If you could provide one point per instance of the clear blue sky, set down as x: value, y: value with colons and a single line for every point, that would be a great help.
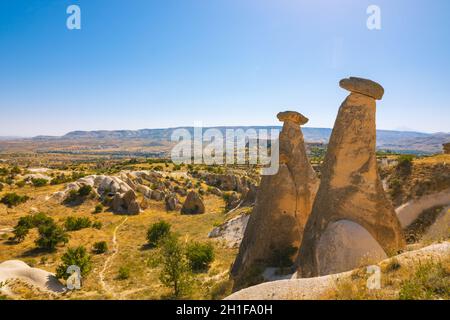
x: 150, y: 64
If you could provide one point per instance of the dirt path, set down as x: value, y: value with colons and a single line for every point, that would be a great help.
x: 105, y: 286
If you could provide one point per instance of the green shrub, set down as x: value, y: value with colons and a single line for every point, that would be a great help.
x: 1, y: 187
x: 100, y: 247
x: 99, y: 208
x: 20, y: 184
x: 200, y: 255
x: 16, y: 170
x: 124, y: 273
x: 13, y: 199
x: 50, y: 235
x: 39, y: 219
x: 97, y: 225
x: 74, y: 224
x: 404, y: 165
x: 157, y: 232
x: 84, y: 191
x: 39, y: 182
x: 74, y: 257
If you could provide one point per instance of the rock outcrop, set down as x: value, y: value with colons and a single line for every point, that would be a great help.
x: 172, y: 202
x: 125, y: 203
x: 193, y: 204
x: 350, y: 189
x: 283, y: 204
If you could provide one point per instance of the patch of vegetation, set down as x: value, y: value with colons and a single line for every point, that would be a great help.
x: 84, y: 191
x: 13, y: 199
x: 124, y: 273
x: 431, y: 280
x: 221, y: 289
x: 99, y: 208
x: 175, y: 268
x: 100, y: 247
x: 404, y: 165
x: 50, y: 235
x: 28, y: 222
x: 77, y: 223
x: 39, y: 182
x: 97, y: 225
x: 74, y: 257
x: 157, y: 232
x: 20, y: 184
x: 80, y: 194
x: 200, y: 255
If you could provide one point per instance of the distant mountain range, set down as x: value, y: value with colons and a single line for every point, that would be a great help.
x: 400, y: 141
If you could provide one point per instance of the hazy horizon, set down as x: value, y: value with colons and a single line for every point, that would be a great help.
x: 205, y: 126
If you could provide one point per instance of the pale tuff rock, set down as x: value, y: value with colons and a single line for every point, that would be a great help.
x: 283, y: 203
x: 231, y: 231
x: 126, y: 203
x: 346, y: 245
x: 193, y: 204
x: 350, y: 187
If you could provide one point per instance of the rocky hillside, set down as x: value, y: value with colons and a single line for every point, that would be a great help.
x: 406, y: 141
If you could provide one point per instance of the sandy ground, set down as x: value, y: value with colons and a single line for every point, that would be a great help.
x: 314, y: 288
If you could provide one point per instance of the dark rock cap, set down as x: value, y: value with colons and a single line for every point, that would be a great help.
x: 293, y: 116
x: 364, y: 86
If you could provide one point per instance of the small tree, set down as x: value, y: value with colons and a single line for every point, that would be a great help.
x: 100, y: 247
x: 74, y: 224
x: 13, y: 199
x: 28, y: 222
x: 50, y: 235
x: 200, y: 255
x: 84, y: 191
x: 74, y: 257
x: 175, y: 272
x: 39, y: 182
x: 157, y: 232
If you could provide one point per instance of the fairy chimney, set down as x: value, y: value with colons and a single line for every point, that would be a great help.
x: 352, y: 221
x: 283, y: 204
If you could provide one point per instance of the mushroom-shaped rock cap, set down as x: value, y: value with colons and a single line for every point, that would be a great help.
x: 363, y: 86
x: 293, y: 116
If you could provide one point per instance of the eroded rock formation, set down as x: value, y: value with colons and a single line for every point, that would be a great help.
x: 193, y: 204
x: 283, y: 203
x: 350, y: 189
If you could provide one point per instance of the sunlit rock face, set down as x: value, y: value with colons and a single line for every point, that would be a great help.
x: 350, y: 188
x: 346, y: 245
x: 283, y: 203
